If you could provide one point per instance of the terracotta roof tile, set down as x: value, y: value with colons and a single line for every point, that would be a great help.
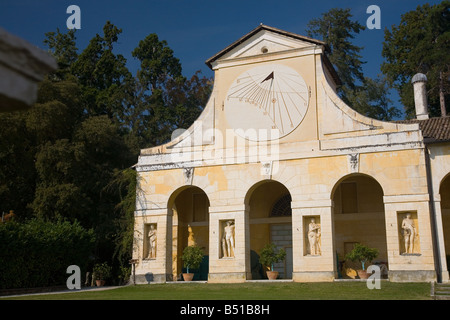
x: 434, y: 129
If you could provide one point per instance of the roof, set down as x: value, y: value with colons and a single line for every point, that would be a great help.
x: 282, y: 32
x: 419, y: 77
x: 255, y: 31
x: 434, y: 130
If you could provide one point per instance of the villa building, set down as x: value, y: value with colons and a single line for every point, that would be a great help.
x: 277, y: 157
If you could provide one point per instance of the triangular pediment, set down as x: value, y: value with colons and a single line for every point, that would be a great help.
x: 263, y: 40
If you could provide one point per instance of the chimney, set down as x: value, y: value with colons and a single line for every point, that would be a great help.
x: 419, y: 82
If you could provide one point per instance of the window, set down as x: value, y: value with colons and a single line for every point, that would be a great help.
x: 282, y: 207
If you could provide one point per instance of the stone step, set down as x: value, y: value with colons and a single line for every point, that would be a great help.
x: 440, y: 291
x: 442, y: 288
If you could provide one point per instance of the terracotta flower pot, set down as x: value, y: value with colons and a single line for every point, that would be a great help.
x: 188, y: 276
x: 272, y: 275
x: 100, y: 283
x: 363, y: 274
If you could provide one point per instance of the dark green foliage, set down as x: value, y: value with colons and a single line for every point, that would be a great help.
x: 157, y: 62
x: 17, y: 172
x: 362, y: 254
x: 269, y: 255
x: 192, y: 257
x: 372, y: 101
x: 365, y: 95
x: 64, y: 49
x: 336, y: 28
x: 69, y: 157
x: 420, y: 43
x: 38, y: 252
x: 126, y: 186
x: 102, y: 271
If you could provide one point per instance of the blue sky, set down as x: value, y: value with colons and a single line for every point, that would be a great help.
x: 195, y: 29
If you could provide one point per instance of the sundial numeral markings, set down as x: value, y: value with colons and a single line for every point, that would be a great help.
x: 287, y: 110
x: 292, y: 101
x: 293, y: 90
x: 279, y: 95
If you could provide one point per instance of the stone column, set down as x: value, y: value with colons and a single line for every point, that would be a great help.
x: 234, y: 268
x: 440, y: 238
x: 321, y: 265
x: 417, y: 266
x: 159, y: 268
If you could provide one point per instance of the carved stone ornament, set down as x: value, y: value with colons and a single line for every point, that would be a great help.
x: 266, y: 169
x: 353, y: 162
x: 188, y: 175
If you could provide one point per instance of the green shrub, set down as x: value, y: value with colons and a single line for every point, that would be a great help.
x: 269, y: 255
x: 192, y: 257
x: 37, y: 253
x: 102, y: 271
x: 362, y: 253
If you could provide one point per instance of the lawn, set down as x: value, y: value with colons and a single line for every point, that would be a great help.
x: 250, y: 291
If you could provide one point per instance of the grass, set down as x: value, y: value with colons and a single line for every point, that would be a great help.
x: 250, y: 291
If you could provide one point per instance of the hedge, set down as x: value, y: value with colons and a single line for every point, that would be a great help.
x: 37, y: 253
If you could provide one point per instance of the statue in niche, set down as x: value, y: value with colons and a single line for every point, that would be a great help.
x: 409, y: 233
x: 152, y: 242
x: 228, y: 240
x: 314, y: 238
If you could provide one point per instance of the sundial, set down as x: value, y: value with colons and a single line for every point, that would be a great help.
x: 266, y: 97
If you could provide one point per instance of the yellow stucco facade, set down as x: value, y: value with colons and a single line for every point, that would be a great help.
x: 275, y: 150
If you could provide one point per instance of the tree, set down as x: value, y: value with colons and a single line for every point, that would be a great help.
x: 70, y: 156
x: 336, y: 28
x: 58, y: 191
x: 164, y: 100
x: 367, y: 96
x: 124, y: 184
x: 106, y: 82
x: 186, y: 98
x: 420, y: 43
x: 372, y: 100
x: 158, y: 62
x: 63, y: 47
x: 17, y: 172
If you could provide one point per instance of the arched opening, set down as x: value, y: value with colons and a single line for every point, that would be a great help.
x: 270, y: 221
x: 444, y: 192
x: 190, y: 226
x: 359, y: 217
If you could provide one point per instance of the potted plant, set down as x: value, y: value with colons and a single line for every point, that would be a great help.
x: 102, y: 271
x: 269, y: 256
x: 192, y: 258
x: 363, y: 254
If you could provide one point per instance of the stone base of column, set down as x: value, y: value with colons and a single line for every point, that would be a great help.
x: 151, y: 278
x: 227, y: 277
x: 313, y: 276
x: 412, y: 275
